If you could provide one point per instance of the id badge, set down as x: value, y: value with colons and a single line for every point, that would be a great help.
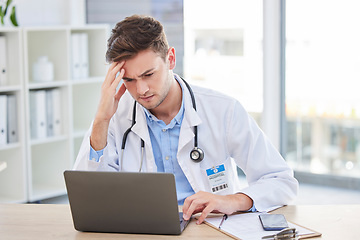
x: 217, y: 178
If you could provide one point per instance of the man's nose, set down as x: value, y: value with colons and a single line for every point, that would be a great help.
x: 141, y: 87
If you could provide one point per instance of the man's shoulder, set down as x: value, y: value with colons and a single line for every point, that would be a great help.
x: 208, y: 93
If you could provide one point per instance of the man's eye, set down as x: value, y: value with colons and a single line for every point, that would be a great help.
x: 149, y: 74
x: 127, y: 80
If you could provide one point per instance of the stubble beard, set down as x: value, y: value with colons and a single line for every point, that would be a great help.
x: 161, y: 99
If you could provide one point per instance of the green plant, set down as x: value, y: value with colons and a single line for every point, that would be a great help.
x: 4, y: 9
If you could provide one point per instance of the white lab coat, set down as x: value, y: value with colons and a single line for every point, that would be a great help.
x: 227, y: 135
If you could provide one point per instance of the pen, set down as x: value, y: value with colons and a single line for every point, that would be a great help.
x: 223, y: 219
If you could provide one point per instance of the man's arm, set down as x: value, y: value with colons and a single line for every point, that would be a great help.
x: 107, y: 106
x: 207, y: 202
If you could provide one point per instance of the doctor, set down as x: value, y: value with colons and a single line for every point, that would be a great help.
x: 201, y: 139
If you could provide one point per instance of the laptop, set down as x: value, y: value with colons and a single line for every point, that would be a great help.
x: 124, y: 202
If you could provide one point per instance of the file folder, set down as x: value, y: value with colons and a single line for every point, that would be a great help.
x: 12, y: 134
x: 38, y: 114
x: 75, y: 56
x: 3, y: 63
x: 49, y: 113
x: 3, y: 120
x: 57, y: 122
x: 84, y: 55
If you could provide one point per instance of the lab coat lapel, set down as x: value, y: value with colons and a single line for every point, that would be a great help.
x: 141, y: 130
x: 191, y: 119
x: 186, y: 142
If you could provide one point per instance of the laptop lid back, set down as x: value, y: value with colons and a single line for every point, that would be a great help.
x: 123, y: 202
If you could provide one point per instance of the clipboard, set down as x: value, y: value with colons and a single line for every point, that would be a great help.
x: 248, y: 226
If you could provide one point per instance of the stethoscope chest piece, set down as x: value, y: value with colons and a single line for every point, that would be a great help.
x: 197, y: 154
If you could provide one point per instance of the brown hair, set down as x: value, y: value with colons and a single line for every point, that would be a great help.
x: 134, y: 34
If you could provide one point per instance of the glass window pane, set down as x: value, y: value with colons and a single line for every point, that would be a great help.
x: 223, y: 48
x: 322, y: 84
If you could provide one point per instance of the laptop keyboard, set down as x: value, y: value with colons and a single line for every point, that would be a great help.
x: 181, y: 217
x: 183, y: 223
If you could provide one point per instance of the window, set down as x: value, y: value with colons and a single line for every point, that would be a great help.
x: 322, y: 86
x: 223, y: 48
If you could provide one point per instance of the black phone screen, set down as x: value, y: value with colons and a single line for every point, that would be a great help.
x: 273, y: 222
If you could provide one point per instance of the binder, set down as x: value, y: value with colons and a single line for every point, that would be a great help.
x: 3, y: 64
x: 84, y: 55
x: 12, y: 134
x: 49, y: 113
x: 3, y: 120
x: 75, y: 55
x: 56, y: 93
x: 38, y: 114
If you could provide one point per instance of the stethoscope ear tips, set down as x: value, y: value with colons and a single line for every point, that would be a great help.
x: 197, y: 154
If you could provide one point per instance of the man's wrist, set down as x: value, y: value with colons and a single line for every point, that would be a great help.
x: 98, y: 137
x: 245, y: 203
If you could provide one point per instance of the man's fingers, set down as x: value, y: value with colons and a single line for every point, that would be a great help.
x: 189, y: 209
x: 112, y: 65
x: 112, y: 72
x: 120, y: 92
x: 186, y: 205
x: 196, y: 205
x: 208, y: 209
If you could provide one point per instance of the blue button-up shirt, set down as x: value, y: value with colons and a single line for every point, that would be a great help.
x: 165, y: 140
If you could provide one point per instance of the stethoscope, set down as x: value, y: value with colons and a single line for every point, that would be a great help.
x: 196, y: 154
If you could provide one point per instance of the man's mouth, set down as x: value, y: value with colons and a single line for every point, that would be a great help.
x: 146, y: 98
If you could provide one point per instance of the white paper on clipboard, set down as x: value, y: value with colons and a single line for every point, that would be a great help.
x: 247, y: 226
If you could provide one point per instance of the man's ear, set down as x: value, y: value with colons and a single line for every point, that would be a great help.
x: 171, y: 58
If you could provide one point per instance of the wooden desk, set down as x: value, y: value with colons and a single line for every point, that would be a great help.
x: 333, y: 221
x: 42, y: 221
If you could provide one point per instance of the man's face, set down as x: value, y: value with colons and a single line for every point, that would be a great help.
x: 148, y: 78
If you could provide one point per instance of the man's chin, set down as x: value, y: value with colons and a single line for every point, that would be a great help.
x: 147, y: 105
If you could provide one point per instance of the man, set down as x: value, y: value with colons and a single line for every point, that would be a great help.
x: 164, y: 121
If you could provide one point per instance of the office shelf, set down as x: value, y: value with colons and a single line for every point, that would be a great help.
x: 35, y: 165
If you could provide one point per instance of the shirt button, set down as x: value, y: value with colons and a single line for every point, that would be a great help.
x: 167, y: 157
x: 164, y: 130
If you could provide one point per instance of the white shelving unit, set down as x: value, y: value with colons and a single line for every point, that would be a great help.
x: 35, y: 166
x: 13, y: 178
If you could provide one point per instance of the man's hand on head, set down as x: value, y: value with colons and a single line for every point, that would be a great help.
x: 108, y: 104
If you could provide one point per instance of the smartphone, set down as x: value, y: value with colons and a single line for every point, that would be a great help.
x: 273, y: 222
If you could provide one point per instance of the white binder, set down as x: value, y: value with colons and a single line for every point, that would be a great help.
x: 12, y: 134
x: 75, y: 56
x: 56, y: 94
x: 84, y: 55
x: 3, y: 64
x: 38, y: 114
x: 49, y: 113
x: 3, y: 120
x: 53, y: 108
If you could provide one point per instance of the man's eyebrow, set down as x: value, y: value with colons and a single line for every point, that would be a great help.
x: 141, y: 75
x: 146, y: 72
x: 127, y: 79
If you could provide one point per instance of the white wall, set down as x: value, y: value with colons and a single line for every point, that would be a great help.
x: 50, y: 12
